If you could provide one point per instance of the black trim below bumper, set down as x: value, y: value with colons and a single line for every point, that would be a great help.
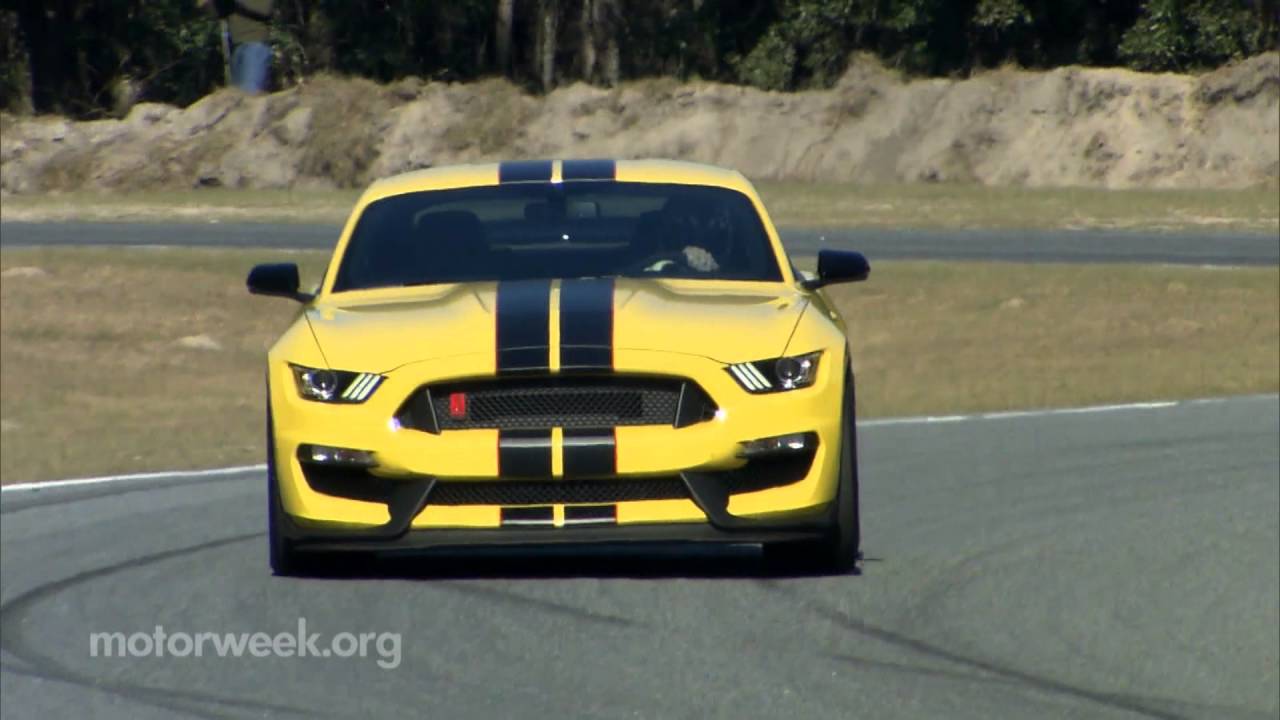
x: 328, y: 538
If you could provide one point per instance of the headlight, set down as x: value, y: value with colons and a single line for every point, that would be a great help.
x: 788, y: 373
x: 335, y: 386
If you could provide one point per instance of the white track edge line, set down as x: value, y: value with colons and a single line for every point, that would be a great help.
x: 916, y: 420
x: 133, y: 477
x: 1047, y: 412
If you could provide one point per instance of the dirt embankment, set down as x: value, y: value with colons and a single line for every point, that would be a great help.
x: 1071, y: 126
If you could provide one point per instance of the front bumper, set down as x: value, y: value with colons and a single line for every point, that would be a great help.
x: 573, y: 511
x: 392, y: 505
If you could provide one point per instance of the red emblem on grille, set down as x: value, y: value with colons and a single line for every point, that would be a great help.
x: 458, y: 405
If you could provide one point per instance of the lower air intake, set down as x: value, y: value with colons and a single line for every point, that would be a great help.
x: 556, y: 493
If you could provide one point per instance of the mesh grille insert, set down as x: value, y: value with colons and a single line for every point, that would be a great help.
x: 567, y: 402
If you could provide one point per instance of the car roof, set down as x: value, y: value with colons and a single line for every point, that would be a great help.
x: 479, y: 175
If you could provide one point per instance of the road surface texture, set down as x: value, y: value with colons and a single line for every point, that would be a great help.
x: 1115, y: 563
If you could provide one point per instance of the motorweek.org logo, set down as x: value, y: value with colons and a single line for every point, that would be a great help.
x: 385, y: 646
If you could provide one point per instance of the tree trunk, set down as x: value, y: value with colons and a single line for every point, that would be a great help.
x: 502, y: 35
x: 46, y: 56
x: 599, y: 49
x: 612, y: 62
x: 590, y: 35
x: 610, y: 25
x: 1269, y: 18
x: 548, y: 29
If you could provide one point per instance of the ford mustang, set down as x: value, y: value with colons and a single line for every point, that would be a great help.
x: 546, y: 352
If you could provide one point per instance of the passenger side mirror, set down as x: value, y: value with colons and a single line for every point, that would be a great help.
x: 276, y: 279
x: 838, y: 266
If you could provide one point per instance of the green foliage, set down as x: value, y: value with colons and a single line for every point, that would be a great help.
x: 15, y: 77
x: 771, y: 64
x: 1188, y: 34
x: 809, y: 41
x: 1159, y: 41
x: 95, y: 57
x: 999, y: 27
x: 397, y: 38
x: 174, y: 55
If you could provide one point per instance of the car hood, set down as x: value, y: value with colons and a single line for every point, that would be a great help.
x: 724, y: 321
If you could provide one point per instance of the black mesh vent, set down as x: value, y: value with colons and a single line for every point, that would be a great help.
x: 553, y: 492
x: 567, y: 402
x: 766, y: 473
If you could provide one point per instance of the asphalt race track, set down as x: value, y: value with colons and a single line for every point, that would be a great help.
x: 1116, y: 563
x: 1201, y: 248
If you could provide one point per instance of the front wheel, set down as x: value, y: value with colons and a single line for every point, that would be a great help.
x: 838, y: 551
x: 284, y: 559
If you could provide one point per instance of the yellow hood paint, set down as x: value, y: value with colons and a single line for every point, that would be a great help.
x: 379, y: 331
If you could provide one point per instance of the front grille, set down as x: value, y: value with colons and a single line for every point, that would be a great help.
x: 554, y: 493
x: 566, y: 402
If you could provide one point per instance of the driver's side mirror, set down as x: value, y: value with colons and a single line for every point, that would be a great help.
x: 276, y: 279
x: 838, y: 266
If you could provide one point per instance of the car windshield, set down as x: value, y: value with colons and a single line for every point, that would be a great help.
x: 521, y: 231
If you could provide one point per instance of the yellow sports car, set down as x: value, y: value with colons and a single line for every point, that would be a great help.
x: 545, y: 352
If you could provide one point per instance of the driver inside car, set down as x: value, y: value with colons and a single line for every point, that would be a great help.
x: 694, y: 234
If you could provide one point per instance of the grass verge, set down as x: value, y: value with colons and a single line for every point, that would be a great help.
x: 791, y: 203
x: 974, y: 206
x: 115, y: 360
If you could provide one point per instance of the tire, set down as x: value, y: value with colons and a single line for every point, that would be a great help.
x: 284, y: 560
x: 839, y: 550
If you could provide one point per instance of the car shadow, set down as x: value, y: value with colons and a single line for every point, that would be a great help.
x: 622, y: 562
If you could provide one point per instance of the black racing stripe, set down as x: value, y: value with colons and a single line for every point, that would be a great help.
x: 524, y: 326
x: 589, y: 170
x: 586, y: 324
x: 524, y: 453
x: 590, y: 453
x: 524, y: 171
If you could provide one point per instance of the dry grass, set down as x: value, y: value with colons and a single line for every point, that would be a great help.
x: 93, y: 380
x: 975, y: 206
x: 348, y: 119
x: 500, y: 113
x: 791, y: 203
x: 184, y: 206
x: 935, y: 337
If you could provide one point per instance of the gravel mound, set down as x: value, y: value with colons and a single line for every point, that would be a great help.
x: 1067, y: 127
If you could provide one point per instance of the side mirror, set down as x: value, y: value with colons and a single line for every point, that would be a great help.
x: 837, y: 266
x: 278, y: 279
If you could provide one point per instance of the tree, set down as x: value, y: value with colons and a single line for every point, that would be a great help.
x: 89, y: 58
x: 598, y: 48
x: 502, y: 35
x: 1188, y: 34
x: 548, y: 31
x: 999, y: 29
